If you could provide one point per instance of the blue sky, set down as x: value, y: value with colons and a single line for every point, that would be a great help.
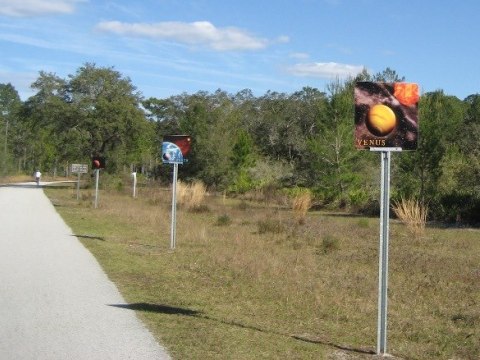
x: 167, y: 47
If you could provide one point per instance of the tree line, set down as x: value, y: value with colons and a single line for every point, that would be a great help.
x: 242, y: 142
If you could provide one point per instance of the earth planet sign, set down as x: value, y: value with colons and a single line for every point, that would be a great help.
x: 175, y: 148
x: 171, y: 153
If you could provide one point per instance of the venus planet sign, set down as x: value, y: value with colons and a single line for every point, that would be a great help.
x: 386, y: 115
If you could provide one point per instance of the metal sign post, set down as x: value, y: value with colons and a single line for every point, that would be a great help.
x: 174, y: 151
x: 97, y: 173
x: 383, y: 248
x: 174, y: 207
x: 78, y: 187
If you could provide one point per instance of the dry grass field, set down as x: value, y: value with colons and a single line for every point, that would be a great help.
x: 250, y: 280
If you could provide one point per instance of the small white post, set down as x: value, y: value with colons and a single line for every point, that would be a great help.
x: 134, y: 175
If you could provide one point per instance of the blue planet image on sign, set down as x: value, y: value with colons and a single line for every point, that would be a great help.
x: 171, y: 153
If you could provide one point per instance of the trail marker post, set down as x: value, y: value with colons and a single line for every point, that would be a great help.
x: 134, y: 176
x: 79, y: 169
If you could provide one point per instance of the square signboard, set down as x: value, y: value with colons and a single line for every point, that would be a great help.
x: 79, y: 168
x: 386, y: 115
x: 175, y: 149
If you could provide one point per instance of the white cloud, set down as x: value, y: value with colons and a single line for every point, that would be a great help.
x: 299, y: 55
x: 340, y: 48
x: 325, y: 70
x: 283, y: 39
x: 28, y: 40
x: 26, y: 8
x: 195, y: 33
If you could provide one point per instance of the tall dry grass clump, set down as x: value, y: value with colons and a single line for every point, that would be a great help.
x: 182, y: 192
x: 191, y: 196
x: 412, y: 214
x: 301, y: 204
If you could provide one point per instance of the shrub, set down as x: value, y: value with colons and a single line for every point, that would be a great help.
x: 270, y: 226
x: 358, y: 198
x: 119, y: 185
x: 329, y: 244
x: 223, y: 220
x: 458, y: 208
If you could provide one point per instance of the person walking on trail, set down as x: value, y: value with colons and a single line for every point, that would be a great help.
x: 38, y: 175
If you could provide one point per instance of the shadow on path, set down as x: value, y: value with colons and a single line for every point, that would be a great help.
x: 171, y: 310
x: 160, y: 309
x: 90, y: 237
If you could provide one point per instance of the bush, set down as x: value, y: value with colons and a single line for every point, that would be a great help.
x: 270, y: 226
x: 358, y: 198
x: 242, y: 183
x: 119, y: 185
x: 329, y: 244
x: 223, y: 220
x: 459, y: 208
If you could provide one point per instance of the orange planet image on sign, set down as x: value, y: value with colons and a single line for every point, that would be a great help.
x: 381, y: 120
x: 406, y: 93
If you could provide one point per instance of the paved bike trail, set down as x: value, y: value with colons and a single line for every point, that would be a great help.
x: 55, y: 300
